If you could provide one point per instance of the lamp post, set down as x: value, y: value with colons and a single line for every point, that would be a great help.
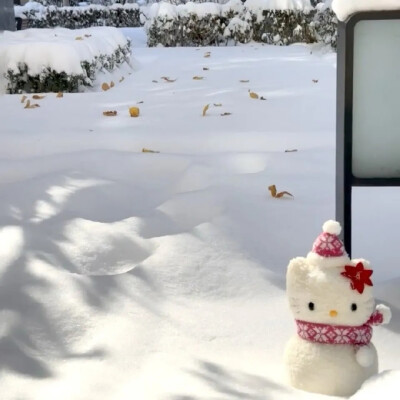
x: 7, y: 17
x: 368, y: 107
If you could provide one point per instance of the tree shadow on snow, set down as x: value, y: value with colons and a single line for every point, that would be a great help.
x: 231, y: 384
x: 32, y: 334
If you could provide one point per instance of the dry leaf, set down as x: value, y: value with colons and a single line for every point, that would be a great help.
x: 253, y: 95
x: 290, y: 151
x: 105, y: 86
x: 225, y: 114
x: 29, y: 105
x: 109, y: 113
x: 144, y: 150
x: 244, y: 80
x: 60, y: 94
x: 315, y: 80
x: 205, y: 108
x: 155, y: 81
x: 121, y: 79
x: 112, y: 84
x: 198, y: 78
x: 79, y: 38
x: 23, y: 98
x: 217, y: 104
x: 205, y: 69
x: 208, y: 54
x: 166, y: 79
x: 87, y: 35
x: 134, y: 111
x: 37, y: 97
x: 277, y: 195
x: 140, y: 102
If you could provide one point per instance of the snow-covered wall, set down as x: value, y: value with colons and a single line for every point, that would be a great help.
x: 346, y: 8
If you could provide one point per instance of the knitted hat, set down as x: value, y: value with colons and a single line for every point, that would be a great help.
x: 328, y: 250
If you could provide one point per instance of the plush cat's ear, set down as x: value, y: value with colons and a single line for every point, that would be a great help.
x: 297, y: 271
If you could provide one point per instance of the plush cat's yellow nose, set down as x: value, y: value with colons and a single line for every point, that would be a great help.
x: 333, y: 313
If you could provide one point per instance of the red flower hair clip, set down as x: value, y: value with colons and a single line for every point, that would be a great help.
x: 359, y: 276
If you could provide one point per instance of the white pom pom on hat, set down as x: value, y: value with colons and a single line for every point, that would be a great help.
x: 332, y: 227
x: 328, y: 250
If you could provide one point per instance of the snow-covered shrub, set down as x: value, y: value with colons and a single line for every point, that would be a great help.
x: 52, y: 60
x: 281, y: 22
x: 117, y: 15
x: 326, y: 24
x: 238, y: 30
x: 185, y: 25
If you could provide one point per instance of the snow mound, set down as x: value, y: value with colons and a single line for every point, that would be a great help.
x: 387, y: 383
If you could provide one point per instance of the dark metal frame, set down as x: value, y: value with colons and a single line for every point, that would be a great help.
x: 345, y: 179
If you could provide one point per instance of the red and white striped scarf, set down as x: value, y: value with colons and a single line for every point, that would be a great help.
x: 339, y: 334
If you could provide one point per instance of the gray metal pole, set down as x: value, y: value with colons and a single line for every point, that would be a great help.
x: 7, y: 16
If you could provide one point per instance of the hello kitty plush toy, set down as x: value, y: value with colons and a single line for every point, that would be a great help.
x: 333, y: 305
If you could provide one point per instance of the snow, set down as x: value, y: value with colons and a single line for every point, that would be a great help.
x: 345, y: 8
x: 56, y: 48
x: 298, y: 5
x: 130, y: 275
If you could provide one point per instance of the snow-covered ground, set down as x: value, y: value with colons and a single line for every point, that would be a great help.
x: 161, y: 276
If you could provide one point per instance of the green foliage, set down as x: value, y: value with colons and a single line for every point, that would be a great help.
x: 283, y: 27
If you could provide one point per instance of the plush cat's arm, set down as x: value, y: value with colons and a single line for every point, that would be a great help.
x: 365, y: 356
x: 385, y: 312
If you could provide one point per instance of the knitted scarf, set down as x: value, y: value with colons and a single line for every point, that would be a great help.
x: 339, y: 334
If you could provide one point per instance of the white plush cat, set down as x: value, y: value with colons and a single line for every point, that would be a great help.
x: 333, y: 305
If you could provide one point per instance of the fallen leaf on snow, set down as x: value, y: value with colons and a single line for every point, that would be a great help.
x: 225, y: 114
x: 60, y: 94
x: 253, y: 95
x: 23, y: 98
x: 198, y: 78
x: 166, y: 79
x: 315, y: 80
x: 134, y: 111
x: 262, y: 98
x: 121, y: 79
x: 105, y: 86
x: 154, y: 81
x: 205, y: 108
x: 87, y: 35
x: 244, y: 80
x: 290, y: 151
x: 37, y: 97
x: 205, y: 69
x: 79, y: 38
x: 217, y: 104
x: 29, y: 105
x: 207, y: 54
x: 276, y: 194
x: 109, y: 113
x: 112, y: 84
x: 144, y: 150
x: 140, y: 102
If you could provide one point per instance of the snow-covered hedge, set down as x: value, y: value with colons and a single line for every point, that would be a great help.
x: 53, y: 60
x: 270, y: 21
x: 326, y: 24
x: 116, y: 15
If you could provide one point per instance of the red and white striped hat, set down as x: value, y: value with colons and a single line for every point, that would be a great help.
x: 328, y: 250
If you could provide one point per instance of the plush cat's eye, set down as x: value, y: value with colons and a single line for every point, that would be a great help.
x: 353, y: 307
x: 311, y: 306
